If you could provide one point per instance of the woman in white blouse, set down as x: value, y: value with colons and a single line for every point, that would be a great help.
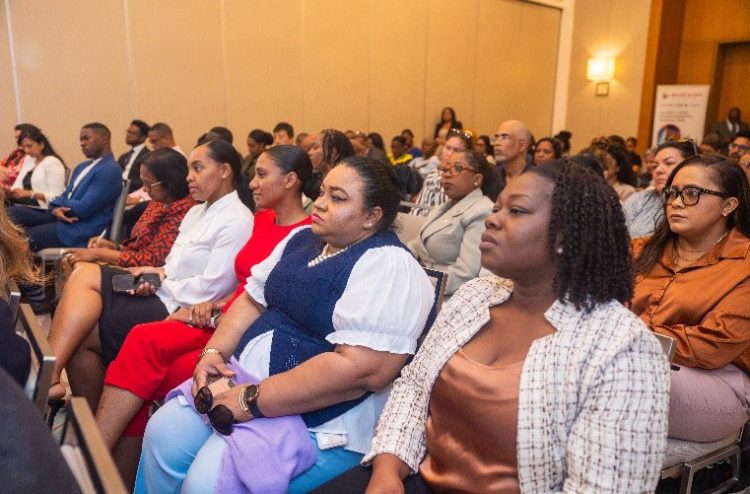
x: 537, y: 379
x: 328, y: 320
x: 449, y: 238
x: 42, y: 174
x: 92, y: 321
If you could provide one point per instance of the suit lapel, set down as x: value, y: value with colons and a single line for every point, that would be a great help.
x: 447, y: 212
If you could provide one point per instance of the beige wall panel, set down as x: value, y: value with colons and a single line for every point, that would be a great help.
x: 72, y: 67
x: 264, y: 65
x: 621, y: 30
x: 177, y: 65
x: 397, y: 53
x: 8, y: 117
x: 516, y: 63
x: 706, y: 24
x: 451, y: 52
x: 735, y: 89
x: 335, y: 73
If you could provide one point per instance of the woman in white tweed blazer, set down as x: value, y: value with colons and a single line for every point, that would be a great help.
x: 545, y: 383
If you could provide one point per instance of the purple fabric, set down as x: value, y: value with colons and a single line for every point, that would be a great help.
x: 275, y: 450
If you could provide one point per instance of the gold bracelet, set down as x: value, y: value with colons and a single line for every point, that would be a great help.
x: 206, y: 351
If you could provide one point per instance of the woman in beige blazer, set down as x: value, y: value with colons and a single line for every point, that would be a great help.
x: 449, y: 238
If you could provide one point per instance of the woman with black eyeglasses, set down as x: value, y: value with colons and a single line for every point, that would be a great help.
x: 643, y: 210
x: 693, y: 285
x: 449, y: 238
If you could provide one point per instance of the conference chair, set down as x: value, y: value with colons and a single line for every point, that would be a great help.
x: 683, y: 459
x: 42, y: 356
x: 86, y: 453
x: 53, y: 256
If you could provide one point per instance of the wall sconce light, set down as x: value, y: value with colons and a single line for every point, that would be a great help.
x: 601, y: 71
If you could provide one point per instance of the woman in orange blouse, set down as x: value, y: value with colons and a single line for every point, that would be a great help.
x: 693, y: 284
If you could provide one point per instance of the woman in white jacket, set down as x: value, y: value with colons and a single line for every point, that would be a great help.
x: 42, y: 175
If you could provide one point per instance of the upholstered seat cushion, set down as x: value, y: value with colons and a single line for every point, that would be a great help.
x: 679, y: 451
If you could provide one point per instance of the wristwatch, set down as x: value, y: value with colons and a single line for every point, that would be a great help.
x: 249, y: 401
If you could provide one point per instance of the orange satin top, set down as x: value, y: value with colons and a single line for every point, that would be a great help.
x: 471, y: 429
x: 705, y: 306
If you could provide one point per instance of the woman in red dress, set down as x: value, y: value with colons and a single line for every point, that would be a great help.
x: 156, y: 357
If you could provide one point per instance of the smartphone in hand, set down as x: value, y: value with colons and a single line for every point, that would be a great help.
x: 123, y: 283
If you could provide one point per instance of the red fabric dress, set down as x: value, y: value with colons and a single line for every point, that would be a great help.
x: 158, y: 356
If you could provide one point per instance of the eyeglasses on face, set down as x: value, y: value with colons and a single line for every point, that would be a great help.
x: 455, y: 169
x: 690, y: 194
x: 148, y: 187
x: 742, y: 148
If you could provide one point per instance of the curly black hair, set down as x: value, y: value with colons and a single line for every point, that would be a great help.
x: 588, y: 236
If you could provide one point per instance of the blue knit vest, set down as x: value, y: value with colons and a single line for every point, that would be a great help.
x: 299, y: 306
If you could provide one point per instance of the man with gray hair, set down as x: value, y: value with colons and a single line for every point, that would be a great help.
x: 512, y: 142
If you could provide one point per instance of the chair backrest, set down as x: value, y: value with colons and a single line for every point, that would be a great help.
x: 439, y: 281
x: 14, y: 301
x: 86, y: 453
x: 115, y: 231
x: 414, y: 205
x: 42, y: 356
x: 667, y: 344
x: 409, y: 226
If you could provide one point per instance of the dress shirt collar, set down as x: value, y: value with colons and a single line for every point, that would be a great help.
x: 221, y: 203
x: 735, y: 246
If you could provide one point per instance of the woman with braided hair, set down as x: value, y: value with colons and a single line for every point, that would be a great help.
x: 537, y: 379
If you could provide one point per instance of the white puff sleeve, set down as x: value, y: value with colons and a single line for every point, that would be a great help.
x: 256, y: 284
x: 385, y: 304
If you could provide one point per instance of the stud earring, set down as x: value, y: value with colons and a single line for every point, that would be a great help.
x: 559, y: 251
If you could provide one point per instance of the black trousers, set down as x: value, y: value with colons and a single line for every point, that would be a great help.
x: 356, y: 480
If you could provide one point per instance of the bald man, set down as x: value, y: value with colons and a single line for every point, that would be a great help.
x: 512, y: 141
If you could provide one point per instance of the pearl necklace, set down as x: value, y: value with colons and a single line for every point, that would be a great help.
x: 323, y: 256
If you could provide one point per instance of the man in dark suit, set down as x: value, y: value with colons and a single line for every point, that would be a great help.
x: 728, y: 129
x: 130, y: 161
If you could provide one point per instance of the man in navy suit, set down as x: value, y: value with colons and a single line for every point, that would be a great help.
x: 86, y: 206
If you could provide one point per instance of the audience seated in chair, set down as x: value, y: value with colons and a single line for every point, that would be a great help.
x: 399, y: 151
x: 326, y: 323
x: 693, y: 285
x: 131, y: 160
x: 537, y: 379
x: 163, y: 174
x: 427, y: 162
x: 432, y: 193
x: 283, y: 133
x: 329, y: 147
x: 158, y: 356
x: 92, y: 320
x: 42, y: 175
x: 512, y: 143
x: 85, y: 207
x: 449, y: 238
x: 11, y: 164
x: 644, y: 209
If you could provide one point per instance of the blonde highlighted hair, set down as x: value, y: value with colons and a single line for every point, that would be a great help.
x: 16, y: 263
